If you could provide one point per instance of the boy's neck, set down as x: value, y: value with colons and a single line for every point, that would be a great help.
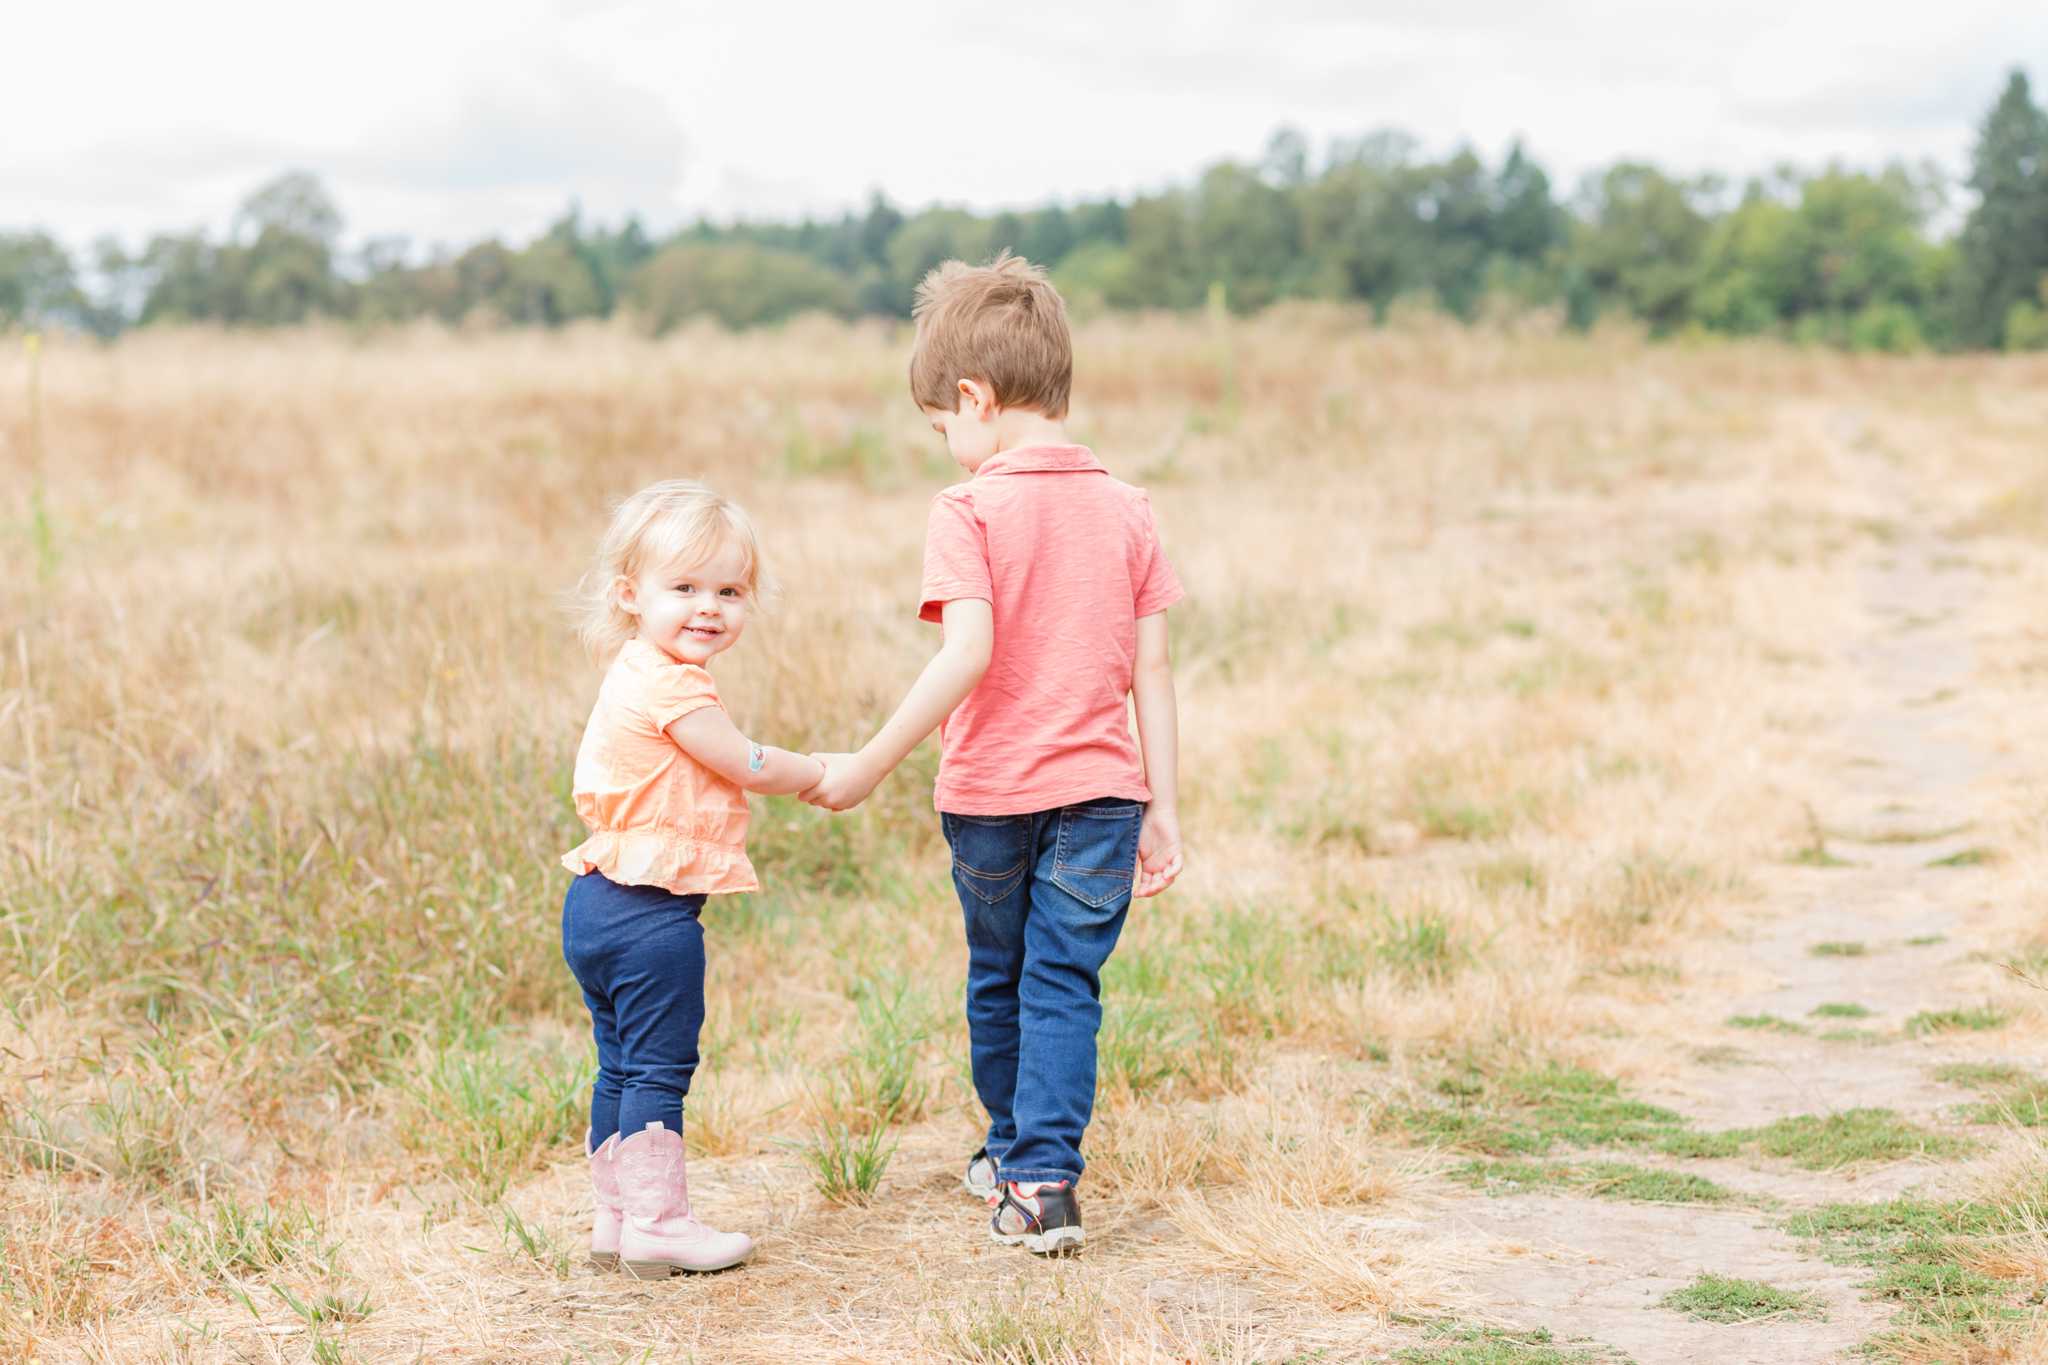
x: 1017, y: 428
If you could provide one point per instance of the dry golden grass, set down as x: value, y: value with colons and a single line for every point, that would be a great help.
x: 1497, y: 649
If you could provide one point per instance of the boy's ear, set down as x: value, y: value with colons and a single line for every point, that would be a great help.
x: 981, y: 395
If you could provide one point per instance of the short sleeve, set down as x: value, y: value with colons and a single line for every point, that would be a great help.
x: 1158, y: 586
x: 675, y: 690
x: 955, y: 556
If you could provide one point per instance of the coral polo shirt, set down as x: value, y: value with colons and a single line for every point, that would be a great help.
x: 1069, y: 559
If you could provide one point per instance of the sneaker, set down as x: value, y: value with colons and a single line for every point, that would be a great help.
x: 1043, y: 1219
x: 980, y: 1179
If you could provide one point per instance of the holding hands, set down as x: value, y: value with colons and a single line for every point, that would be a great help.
x: 849, y: 779
x: 845, y: 784
x: 945, y: 682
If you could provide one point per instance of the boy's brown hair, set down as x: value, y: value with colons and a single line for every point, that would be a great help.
x: 1002, y: 323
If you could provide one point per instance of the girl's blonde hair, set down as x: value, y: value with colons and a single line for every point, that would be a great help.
x: 677, y: 523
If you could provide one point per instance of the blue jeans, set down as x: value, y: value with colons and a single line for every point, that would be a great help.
x: 638, y: 953
x: 1044, y: 897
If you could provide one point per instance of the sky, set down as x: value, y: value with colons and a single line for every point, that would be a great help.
x: 444, y: 121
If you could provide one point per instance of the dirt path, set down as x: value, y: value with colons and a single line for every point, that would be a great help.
x: 1895, y: 800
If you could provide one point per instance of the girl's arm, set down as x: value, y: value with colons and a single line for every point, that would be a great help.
x: 1159, y: 851
x: 953, y: 672
x: 709, y: 736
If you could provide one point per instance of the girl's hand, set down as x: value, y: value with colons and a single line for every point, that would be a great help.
x: 846, y: 783
x: 1159, y: 852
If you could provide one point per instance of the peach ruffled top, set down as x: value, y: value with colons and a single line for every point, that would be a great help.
x: 657, y: 817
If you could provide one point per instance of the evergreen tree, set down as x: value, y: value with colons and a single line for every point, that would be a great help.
x: 1528, y: 223
x: 1637, y: 246
x: 287, y: 273
x: 37, y: 280
x: 2003, y: 253
x: 284, y: 273
x: 1842, y: 257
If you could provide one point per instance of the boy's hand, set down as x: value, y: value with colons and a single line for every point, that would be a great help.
x: 845, y: 784
x: 1159, y: 855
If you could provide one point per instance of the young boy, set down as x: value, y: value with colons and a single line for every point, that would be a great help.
x: 1049, y: 580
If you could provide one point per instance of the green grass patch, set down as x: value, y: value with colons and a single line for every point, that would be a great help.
x: 1515, y: 872
x: 1819, y: 1144
x: 1586, y: 1109
x: 1693, y: 1143
x: 1840, y: 1011
x: 1444, y: 1344
x: 1894, y: 836
x: 1723, y: 1298
x: 846, y: 1166
x: 1926, y: 940
x: 1961, y: 1019
x: 1606, y: 1179
x: 1862, y: 1037
x: 2028, y: 1108
x: 2016, y: 1097
x: 1817, y: 855
x: 1913, y: 1247
x: 227, y: 1239
x: 1769, y: 1021
x: 1644, y: 1185
x: 1814, y: 852
x: 1445, y: 806
x: 1512, y: 1177
x: 493, y: 1115
x: 1907, y: 1226
x: 1422, y: 945
x: 1468, y: 1129
x: 1812, y: 1142
x: 1839, y: 948
x: 1147, y: 1048
x: 1980, y: 1075
x: 1529, y: 1113
x: 1969, y: 857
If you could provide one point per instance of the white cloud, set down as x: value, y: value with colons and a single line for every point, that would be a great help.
x: 519, y: 146
x: 452, y: 119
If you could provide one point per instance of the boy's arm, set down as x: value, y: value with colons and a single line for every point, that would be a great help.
x: 944, y: 684
x: 709, y: 736
x: 1159, y: 851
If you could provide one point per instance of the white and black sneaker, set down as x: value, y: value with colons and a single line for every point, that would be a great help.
x: 1043, y: 1219
x: 980, y: 1179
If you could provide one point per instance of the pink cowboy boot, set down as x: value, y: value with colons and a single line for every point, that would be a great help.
x: 604, y: 1182
x: 661, y: 1236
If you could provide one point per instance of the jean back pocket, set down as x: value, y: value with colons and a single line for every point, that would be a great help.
x: 991, y: 854
x: 1097, y: 856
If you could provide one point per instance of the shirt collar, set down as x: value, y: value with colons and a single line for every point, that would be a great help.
x: 1040, y: 460
x: 640, y: 649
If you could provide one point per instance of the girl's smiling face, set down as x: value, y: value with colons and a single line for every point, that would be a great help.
x: 691, y: 614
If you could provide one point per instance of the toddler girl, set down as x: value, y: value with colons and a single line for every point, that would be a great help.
x: 661, y: 780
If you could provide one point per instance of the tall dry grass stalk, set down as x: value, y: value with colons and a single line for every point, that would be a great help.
x: 1495, y: 649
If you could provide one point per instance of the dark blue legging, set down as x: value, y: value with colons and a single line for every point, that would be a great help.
x: 638, y: 953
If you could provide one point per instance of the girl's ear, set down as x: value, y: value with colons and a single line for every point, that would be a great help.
x: 626, y: 594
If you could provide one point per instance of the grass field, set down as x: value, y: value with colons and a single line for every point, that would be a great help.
x: 1502, y: 653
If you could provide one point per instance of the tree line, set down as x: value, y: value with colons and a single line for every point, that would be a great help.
x: 1840, y: 256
